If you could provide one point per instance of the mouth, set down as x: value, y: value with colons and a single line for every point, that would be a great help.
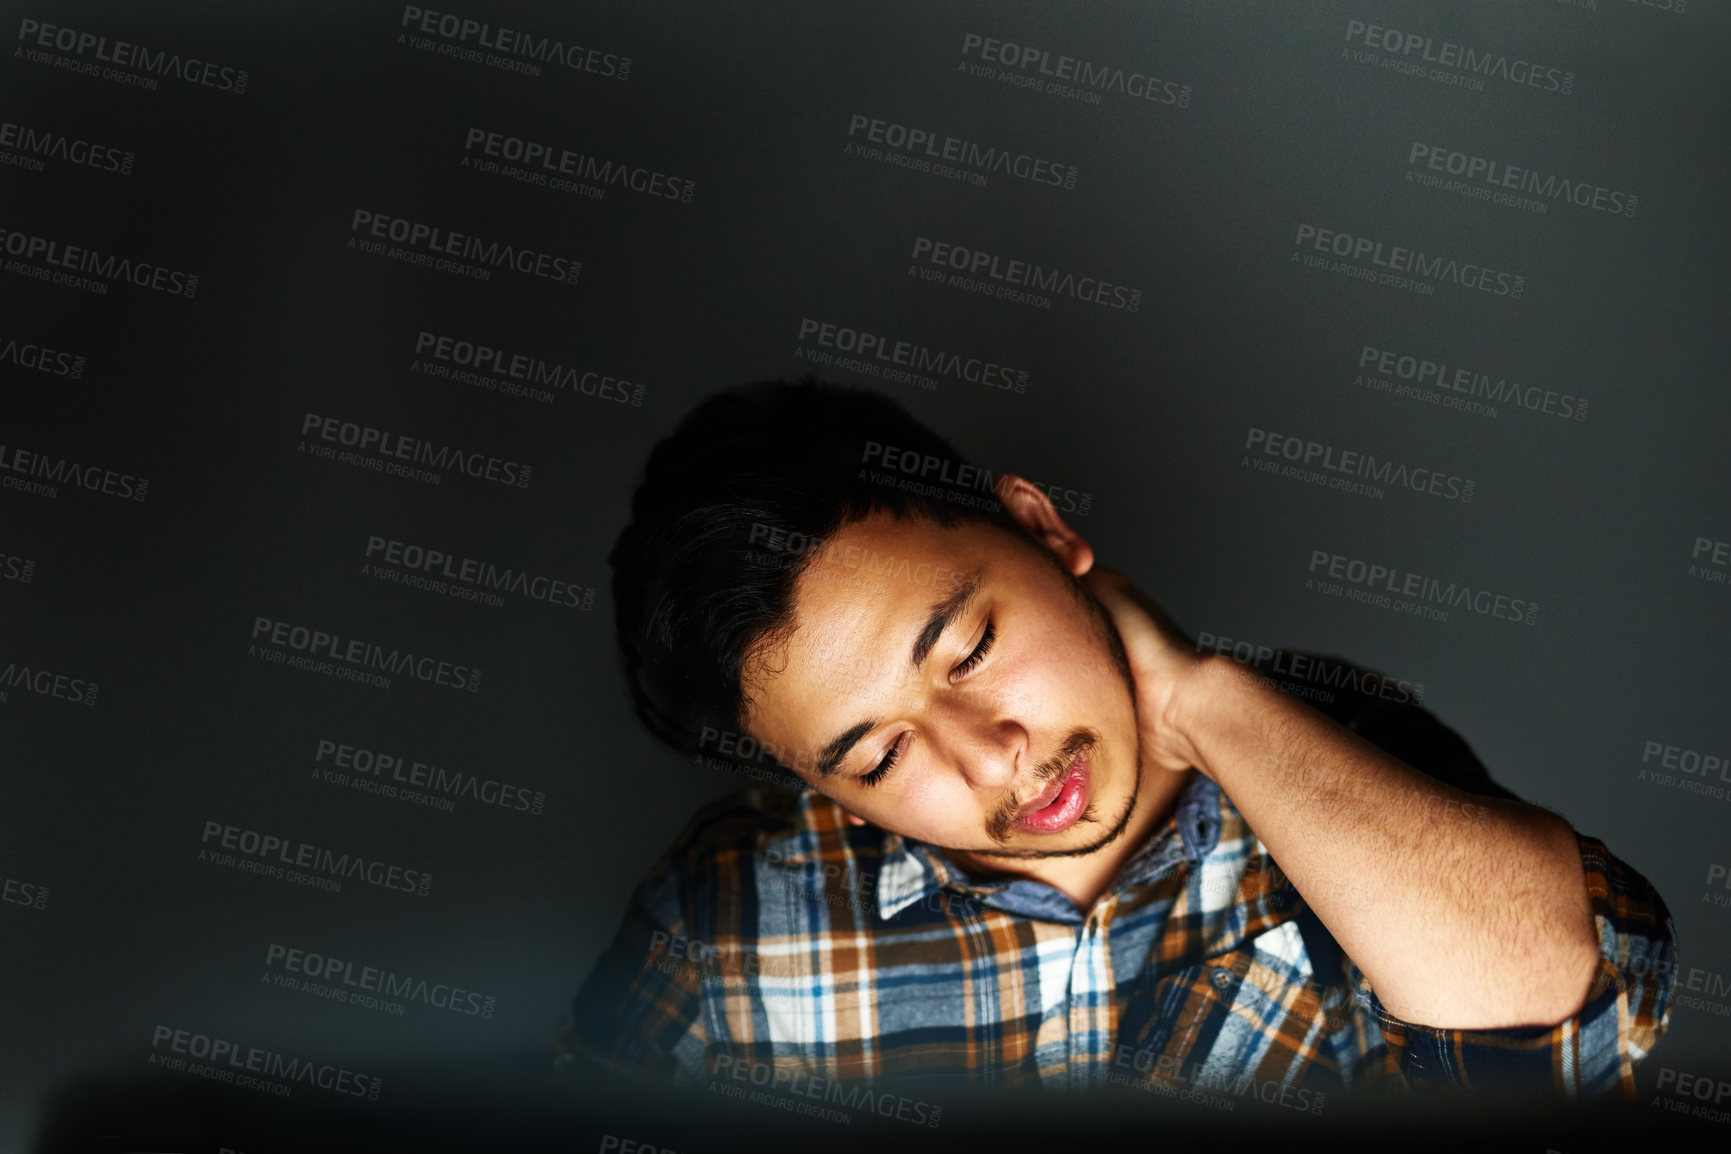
x: 1060, y: 803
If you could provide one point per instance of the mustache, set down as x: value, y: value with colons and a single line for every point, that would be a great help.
x: 1081, y: 740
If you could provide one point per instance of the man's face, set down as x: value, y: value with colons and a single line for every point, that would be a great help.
x: 996, y: 680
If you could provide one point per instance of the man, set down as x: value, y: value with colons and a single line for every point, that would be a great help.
x: 1039, y: 838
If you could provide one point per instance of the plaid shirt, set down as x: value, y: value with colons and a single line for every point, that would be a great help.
x: 776, y: 934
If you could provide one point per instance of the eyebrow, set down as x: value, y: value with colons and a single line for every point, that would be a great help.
x: 942, y: 616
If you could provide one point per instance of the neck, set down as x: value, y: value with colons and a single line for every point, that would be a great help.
x: 1085, y: 877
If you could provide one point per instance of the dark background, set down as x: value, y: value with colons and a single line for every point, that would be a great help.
x: 1266, y: 121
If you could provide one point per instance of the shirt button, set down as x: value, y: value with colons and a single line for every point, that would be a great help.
x: 1222, y: 978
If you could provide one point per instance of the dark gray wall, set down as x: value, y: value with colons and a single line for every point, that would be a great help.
x: 1267, y: 121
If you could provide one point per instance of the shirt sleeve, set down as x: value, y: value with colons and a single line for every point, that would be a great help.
x: 1627, y: 1007
x: 640, y: 1011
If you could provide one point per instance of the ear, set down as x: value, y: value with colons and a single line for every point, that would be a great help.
x: 855, y: 819
x: 1033, y: 510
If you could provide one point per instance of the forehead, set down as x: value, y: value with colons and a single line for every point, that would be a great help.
x: 874, y: 572
x: 863, y: 598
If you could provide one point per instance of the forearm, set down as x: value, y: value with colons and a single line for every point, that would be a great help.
x: 1464, y: 912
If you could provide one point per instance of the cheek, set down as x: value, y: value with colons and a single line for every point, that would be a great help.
x: 937, y: 801
x: 1064, y: 677
x: 1056, y: 674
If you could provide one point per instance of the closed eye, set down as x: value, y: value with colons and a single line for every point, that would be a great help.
x: 968, y: 665
x: 883, y: 767
x: 980, y: 650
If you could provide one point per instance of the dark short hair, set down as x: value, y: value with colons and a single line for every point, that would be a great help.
x: 734, y: 505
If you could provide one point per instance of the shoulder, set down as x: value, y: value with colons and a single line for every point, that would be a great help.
x: 764, y: 828
x: 738, y: 822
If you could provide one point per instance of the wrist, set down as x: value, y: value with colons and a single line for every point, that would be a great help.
x: 1194, y: 705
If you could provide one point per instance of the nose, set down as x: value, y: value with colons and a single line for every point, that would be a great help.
x: 981, y: 742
